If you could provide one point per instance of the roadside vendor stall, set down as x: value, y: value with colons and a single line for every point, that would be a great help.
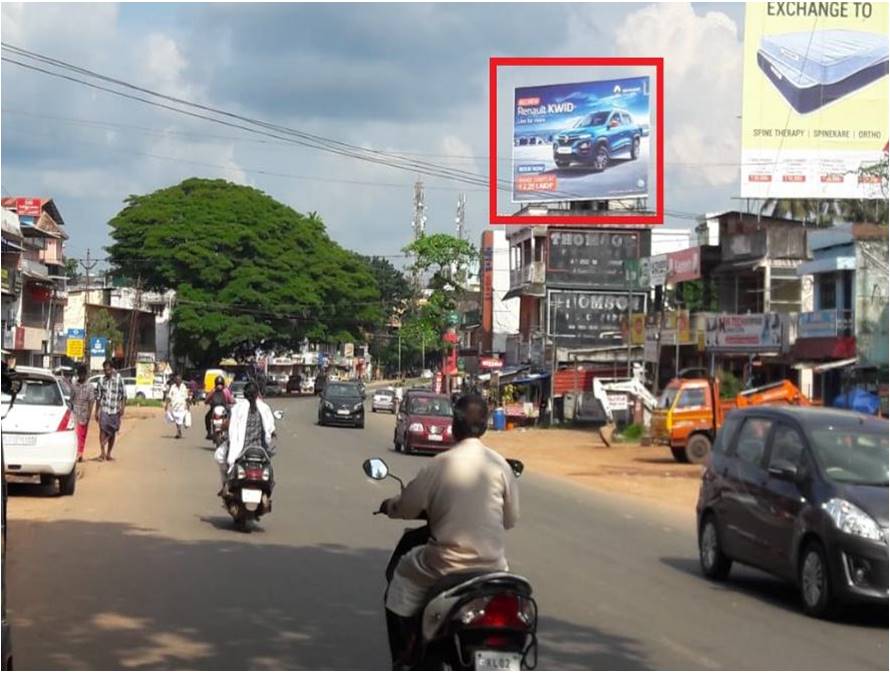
x: 523, y: 396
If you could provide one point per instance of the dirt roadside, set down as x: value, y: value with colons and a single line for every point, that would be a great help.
x: 578, y: 455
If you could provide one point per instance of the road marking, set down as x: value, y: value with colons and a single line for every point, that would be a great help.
x: 692, y: 655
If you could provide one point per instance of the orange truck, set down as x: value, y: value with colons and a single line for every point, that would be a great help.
x: 690, y: 412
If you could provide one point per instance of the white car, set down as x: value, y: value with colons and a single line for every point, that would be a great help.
x: 38, y: 432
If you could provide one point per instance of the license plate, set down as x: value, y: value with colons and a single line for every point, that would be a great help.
x: 563, y: 150
x: 251, y: 496
x: 435, y: 438
x: 497, y: 661
x: 343, y: 412
x: 19, y: 440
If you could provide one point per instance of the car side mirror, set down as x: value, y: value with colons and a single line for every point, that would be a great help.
x: 516, y: 465
x: 375, y: 468
x: 784, y: 469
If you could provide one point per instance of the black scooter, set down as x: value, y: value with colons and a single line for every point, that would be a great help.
x: 482, y: 621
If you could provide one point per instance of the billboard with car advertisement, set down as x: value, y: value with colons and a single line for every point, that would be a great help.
x: 582, y: 141
x: 814, y: 110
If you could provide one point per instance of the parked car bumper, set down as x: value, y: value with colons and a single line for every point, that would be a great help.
x: 383, y: 406
x: 52, y: 453
x: 422, y: 445
x: 847, y: 554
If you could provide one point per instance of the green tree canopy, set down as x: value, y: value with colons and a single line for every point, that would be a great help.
x: 247, y: 269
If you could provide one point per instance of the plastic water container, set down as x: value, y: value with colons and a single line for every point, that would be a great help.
x: 500, y: 419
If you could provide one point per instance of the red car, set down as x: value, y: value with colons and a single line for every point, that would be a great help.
x: 423, y: 424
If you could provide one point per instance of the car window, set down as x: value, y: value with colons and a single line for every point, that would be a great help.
x: 666, y: 401
x: 430, y: 406
x: 615, y: 120
x: 851, y: 456
x: 787, y: 445
x: 691, y: 398
x: 40, y: 392
x: 751, y: 440
x: 724, y: 435
x: 627, y: 119
x: 342, y: 390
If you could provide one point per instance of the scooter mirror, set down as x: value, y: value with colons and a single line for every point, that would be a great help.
x: 278, y: 414
x: 375, y: 468
x: 516, y: 465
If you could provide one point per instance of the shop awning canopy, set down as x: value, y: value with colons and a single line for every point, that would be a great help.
x: 531, y: 378
x: 827, y: 265
x: 819, y: 367
x: 740, y: 265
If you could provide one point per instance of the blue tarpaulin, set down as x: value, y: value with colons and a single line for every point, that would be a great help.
x: 858, y: 400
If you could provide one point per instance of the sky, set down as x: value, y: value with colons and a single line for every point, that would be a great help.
x: 399, y: 77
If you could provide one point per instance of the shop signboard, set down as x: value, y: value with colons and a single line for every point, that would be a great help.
x: 590, y: 317
x: 817, y: 324
x: 683, y: 265
x: 590, y: 258
x: 638, y: 328
x: 98, y: 347
x: 74, y: 347
x: 28, y: 207
x: 582, y: 141
x: 814, y: 101
x: 145, y: 373
x: 752, y: 332
x: 658, y: 270
x: 491, y: 363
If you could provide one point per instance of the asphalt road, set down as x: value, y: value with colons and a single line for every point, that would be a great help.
x: 142, y: 569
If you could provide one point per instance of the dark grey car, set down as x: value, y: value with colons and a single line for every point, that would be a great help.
x: 342, y: 403
x: 802, y: 494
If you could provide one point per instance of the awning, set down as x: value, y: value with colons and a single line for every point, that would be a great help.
x: 827, y: 265
x: 512, y: 294
x: 531, y: 378
x: 742, y: 265
x: 36, y: 275
x: 819, y: 367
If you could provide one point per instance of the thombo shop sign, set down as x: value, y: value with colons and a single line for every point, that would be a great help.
x: 591, y: 317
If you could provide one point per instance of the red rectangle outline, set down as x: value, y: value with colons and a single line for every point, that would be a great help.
x: 495, y: 61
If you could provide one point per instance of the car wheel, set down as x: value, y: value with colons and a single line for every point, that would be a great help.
x: 814, y: 580
x: 68, y: 482
x: 697, y: 448
x: 601, y: 157
x: 635, y: 149
x: 47, y: 480
x: 679, y: 454
x: 714, y: 563
x: 140, y: 396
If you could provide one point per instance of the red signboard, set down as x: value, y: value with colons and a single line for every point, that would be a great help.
x: 491, y: 363
x: 28, y: 207
x: 683, y: 265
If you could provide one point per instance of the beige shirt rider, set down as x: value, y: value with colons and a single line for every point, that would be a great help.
x: 471, y: 498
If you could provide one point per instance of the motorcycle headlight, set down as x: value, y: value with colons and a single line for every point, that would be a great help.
x: 240, y: 473
x: 415, y: 427
x: 851, y: 520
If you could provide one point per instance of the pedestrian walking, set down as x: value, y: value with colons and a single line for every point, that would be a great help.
x: 112, y: 399
x: 177, y: 404
x: 83, y: 394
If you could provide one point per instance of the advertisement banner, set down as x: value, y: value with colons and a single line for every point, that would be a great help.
x: 74, y: 348
x: 638, y: 328
x: 28, y: 207
x: 590, y: 258
x: 684, y: 330
x: 814, y: 109
x: 145, y: 373
x: 588, y: 140
x: 590, y: 317
x: 658, y: 269
x: 752, y: 332
x: 684, y: 265
x: 817, y: 324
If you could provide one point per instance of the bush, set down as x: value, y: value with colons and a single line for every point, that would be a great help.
x: 730, y: 385
x: 630, y: 433
x: 139, y: 402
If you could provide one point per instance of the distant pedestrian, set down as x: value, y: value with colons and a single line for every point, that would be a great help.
x: 177, y: 403
x: 83, y: 394
x: 110, y: 409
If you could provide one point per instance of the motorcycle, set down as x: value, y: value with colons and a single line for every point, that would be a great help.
x: 248, y: 491
x: 247, y: 494
x: 219, y: 424
x: 482, y: 621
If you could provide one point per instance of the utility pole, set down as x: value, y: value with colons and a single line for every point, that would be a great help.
x: 130, y: 353
x: 418, y: 222
x: 88, y: 265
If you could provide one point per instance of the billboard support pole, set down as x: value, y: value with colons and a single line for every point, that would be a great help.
x: 629, y: 324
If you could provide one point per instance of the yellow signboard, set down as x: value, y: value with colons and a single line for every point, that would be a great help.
x: 145, y: 373
x: 815, y: 96
x: 638, y: 329
x: 74, y: 348
x: 684, y: 333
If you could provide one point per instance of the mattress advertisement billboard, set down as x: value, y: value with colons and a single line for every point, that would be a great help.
x: 583, y: 141
x: 815, y: 95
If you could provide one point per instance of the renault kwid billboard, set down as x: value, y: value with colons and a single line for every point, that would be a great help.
x: 583, y: 141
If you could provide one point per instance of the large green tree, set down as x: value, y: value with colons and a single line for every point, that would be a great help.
x: 247, y: 269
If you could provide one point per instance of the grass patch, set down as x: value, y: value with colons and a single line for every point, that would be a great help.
x: 145, y: 403
x: 630, y: 433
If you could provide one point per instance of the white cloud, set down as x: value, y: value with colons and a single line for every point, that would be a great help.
x: 703, y: 75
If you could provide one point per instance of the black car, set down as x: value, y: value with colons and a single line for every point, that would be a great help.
x: 342, y: 403
x: 802, y: 494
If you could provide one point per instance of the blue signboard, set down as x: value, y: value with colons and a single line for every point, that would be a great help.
x: 98, y: 347
x: 588, y: 140
x: 75, y: 333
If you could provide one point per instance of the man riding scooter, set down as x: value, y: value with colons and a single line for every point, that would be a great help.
x: 219, y: 396
x: 470, y: 497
